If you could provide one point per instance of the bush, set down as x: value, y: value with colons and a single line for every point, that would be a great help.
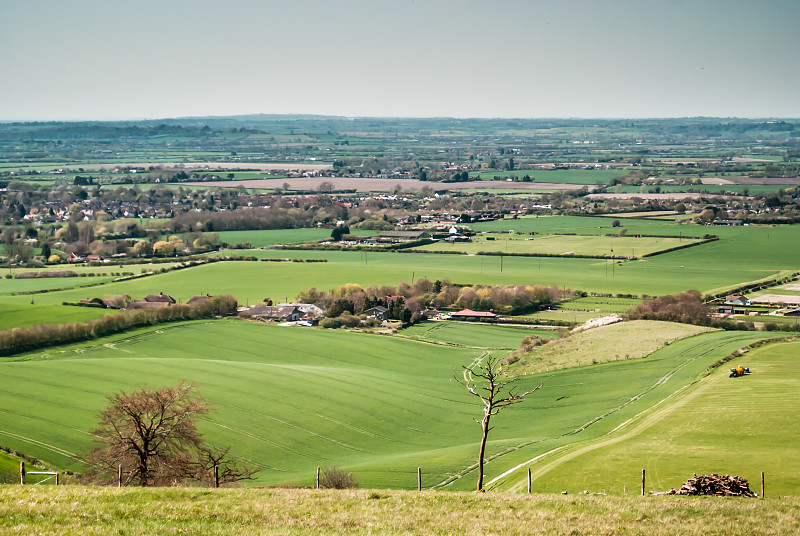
x: 329, y: 323
x: 335, y: 478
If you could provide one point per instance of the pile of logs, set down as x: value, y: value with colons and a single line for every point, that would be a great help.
x: 727, y: 485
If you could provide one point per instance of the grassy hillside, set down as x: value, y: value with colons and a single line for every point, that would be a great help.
x: 729, y: 426
x: 478, y: 335
x: 78, y: 510
x: 21, y: 315
x: 615, y: 342
x: 292, y: 399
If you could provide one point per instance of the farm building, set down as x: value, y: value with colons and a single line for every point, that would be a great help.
x: 402, y: 236
x: 287, y: 313
x: 469, y: 314
x: 730, y: 310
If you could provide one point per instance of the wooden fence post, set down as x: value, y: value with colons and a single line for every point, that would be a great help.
x: 22, y: 472
x: 216, y: 476
x: 318, y: 477
x: 762, y: 484
x: 642, y: 482
x: 419, y: 478
x: 57, y: 478
x: 529, y: 479
x: 119, y: 476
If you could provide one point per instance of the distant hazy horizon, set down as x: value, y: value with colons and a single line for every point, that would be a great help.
x: 584, y: 59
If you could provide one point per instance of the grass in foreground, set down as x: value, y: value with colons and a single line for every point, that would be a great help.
x: 80, y: 510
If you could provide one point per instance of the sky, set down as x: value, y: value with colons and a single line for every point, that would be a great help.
x: 152, y: 59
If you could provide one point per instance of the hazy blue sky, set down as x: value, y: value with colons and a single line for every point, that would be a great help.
x: 109, y: 59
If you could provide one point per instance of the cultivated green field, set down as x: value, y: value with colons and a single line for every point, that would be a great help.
x: 557, y: 176
x: 722, y: 425
x: 292, y: 399
x: 626, y: 246
x: 600, y: 304
x: 17, y: 316
x: 272, y: 237
x: 477, y: 335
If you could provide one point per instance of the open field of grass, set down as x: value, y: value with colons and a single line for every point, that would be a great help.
x: 478, y: 335
x: 9, y: 469
x: 723, y: 425
x: 615, y: 342
x: 48, y: 510
x: 556, y: 176
x: 625, y: 246
x: 272, y: 237
x: 600, y: 304
x: 17, y: 316
x: 291, y: 399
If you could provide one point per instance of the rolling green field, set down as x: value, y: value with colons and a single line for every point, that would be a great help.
x: 722, y: 425
x: 17, y: 316
x: 477, y: 335
x: 626, y: 246
x: 379, y: 406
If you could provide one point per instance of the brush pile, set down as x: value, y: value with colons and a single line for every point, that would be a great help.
x: 727, y: 485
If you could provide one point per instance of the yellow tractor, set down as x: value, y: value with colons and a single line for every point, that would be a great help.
x: 738, y: 371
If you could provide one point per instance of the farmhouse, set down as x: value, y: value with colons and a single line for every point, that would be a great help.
x: 736, y: 300
x: 160, y: 298
x: 313, y: 310
x: 198, y: 299
x: 469, y: 314
x: 152, y: 301
x: 379, y: 312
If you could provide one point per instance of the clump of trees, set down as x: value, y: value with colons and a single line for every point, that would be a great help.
x: 149, y: 438
x: 18, y: 340
x: 526, y: 346
x: 685, y: 307
x: 407, y: 301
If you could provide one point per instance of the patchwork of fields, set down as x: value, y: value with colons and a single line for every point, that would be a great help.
x: 292, y: 399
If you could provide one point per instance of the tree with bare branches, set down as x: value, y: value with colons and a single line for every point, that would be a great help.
x: 151, y: 436
x: 486, y: 380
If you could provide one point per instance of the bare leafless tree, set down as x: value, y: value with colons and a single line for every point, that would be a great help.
x: 486, y: 380
x: 151, y: 435
x: 228, y: 469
